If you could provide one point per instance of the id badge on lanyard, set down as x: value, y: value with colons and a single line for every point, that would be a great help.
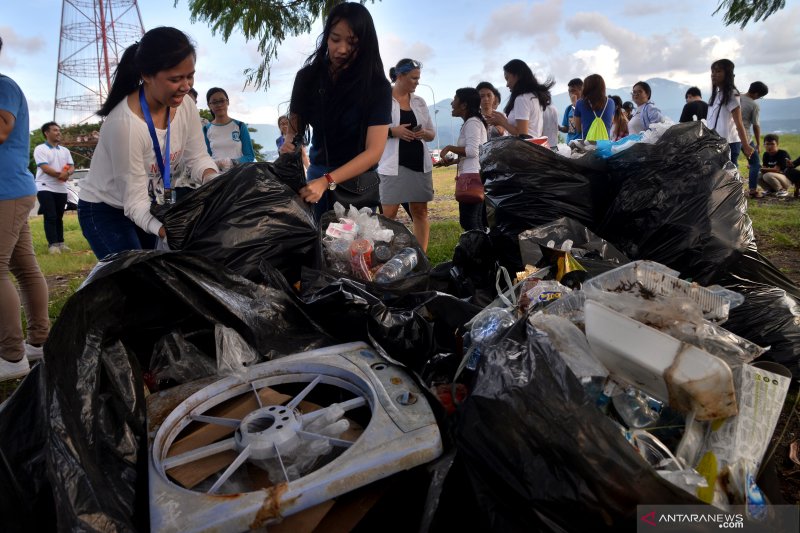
x: 169, y: 194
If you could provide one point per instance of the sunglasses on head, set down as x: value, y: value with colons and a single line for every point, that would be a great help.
x: 408, y: 66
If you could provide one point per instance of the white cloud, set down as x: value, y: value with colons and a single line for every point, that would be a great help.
x: 773, y: 41
x: 16, y: 46
x: 643, y: 9
x: 603, y: 60
x: 643, y: 56
x: 521, y: 20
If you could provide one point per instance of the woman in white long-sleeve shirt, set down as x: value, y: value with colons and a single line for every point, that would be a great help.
x: 405, y: 167
x: 467, y: 105
x: 524, y: 111
x: 147, y: 117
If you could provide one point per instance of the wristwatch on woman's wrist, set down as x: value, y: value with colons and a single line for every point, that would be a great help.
x: 329, y: 179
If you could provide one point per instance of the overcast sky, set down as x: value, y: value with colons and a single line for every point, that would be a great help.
x: 459, y: 44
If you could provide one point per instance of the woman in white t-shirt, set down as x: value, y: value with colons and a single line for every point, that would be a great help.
x: 525, y: 108
x: 467, y: 105
x: 724, y: 109
x: 150, y: 130
x: 227, y: 139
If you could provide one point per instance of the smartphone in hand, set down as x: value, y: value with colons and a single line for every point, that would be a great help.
x: 416, y: 128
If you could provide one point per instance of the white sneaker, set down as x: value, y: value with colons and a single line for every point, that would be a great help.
x: 63, y: 247
x: 782, y: 194
x: 33, y: 353
x: 54, y: 249
x: 9, y: 370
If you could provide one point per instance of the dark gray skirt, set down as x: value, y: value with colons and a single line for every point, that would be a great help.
x: 406, y: 186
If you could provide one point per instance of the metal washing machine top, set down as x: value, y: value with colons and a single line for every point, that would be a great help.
x: 247, y: 451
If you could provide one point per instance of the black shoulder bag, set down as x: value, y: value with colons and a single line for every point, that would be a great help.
x: 362, y: 190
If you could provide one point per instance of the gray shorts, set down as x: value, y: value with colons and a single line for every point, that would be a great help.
x: 406, y: 186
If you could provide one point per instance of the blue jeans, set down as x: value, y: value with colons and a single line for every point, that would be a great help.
x: 109, y: 231
x: 736, y: 149
x: 755, y: 167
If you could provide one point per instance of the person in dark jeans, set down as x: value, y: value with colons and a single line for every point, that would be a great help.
x: 54, y: 166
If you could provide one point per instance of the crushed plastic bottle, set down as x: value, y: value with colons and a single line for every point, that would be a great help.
x: 398, y: 266
x: 382, y: 253
x: 485, y: 328
x: 636, y: 409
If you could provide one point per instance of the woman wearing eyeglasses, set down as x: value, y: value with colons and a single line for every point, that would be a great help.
x: 524, y: 111
x: 646, y: 112
x: 343, y: 94
x: 406, y: 166
x: 227, y: 139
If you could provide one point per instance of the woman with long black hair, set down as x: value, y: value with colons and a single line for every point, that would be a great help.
x: 467, y: 105
x: 524, y: 111
x: 150, y: 130
x: 343, y: 94
x: 725, y: 110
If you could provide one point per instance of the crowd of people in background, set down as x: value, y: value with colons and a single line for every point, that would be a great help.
x: 154, y: 148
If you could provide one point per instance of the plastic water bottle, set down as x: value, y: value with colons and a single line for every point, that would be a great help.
x: 398, y: 266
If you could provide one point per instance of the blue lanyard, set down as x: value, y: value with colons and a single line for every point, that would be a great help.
x: 165, y: 169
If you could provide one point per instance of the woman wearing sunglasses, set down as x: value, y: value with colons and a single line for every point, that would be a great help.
x: 406, y: 166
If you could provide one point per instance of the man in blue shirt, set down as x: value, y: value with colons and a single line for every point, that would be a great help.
x: 17, y: 196
x: 575, y: 89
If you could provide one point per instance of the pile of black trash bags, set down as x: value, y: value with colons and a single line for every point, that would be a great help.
x: 526, y: 449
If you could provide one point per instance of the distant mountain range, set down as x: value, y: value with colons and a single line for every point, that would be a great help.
x: 777, y: 115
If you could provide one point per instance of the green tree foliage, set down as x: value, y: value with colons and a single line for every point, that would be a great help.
x: 268, y: 21
x: 256, y: 147
x: 743, y: 11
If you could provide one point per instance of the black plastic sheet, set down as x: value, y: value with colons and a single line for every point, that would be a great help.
x: 411, y: 328
x: 770, y: 314
x: 679, y: 202
x: 539, y: 454
x: 585, y: 244
x: 76, y: 427
x: 244, y: 216
x: 472, y: 273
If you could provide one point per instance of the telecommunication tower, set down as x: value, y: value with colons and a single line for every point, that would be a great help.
x: 94, y: 34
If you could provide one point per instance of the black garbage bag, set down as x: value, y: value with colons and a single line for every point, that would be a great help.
x: 242, y: 217
x: 770, y: 314
x: 538, y: 452
x: 26, y: 501
x: 585, y: 244
x: 87, y: 443
x: 527, y: 185
x: 679, y: 202
x: 472, y: 274
x: 411, y: 328
x: 416, y: 281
